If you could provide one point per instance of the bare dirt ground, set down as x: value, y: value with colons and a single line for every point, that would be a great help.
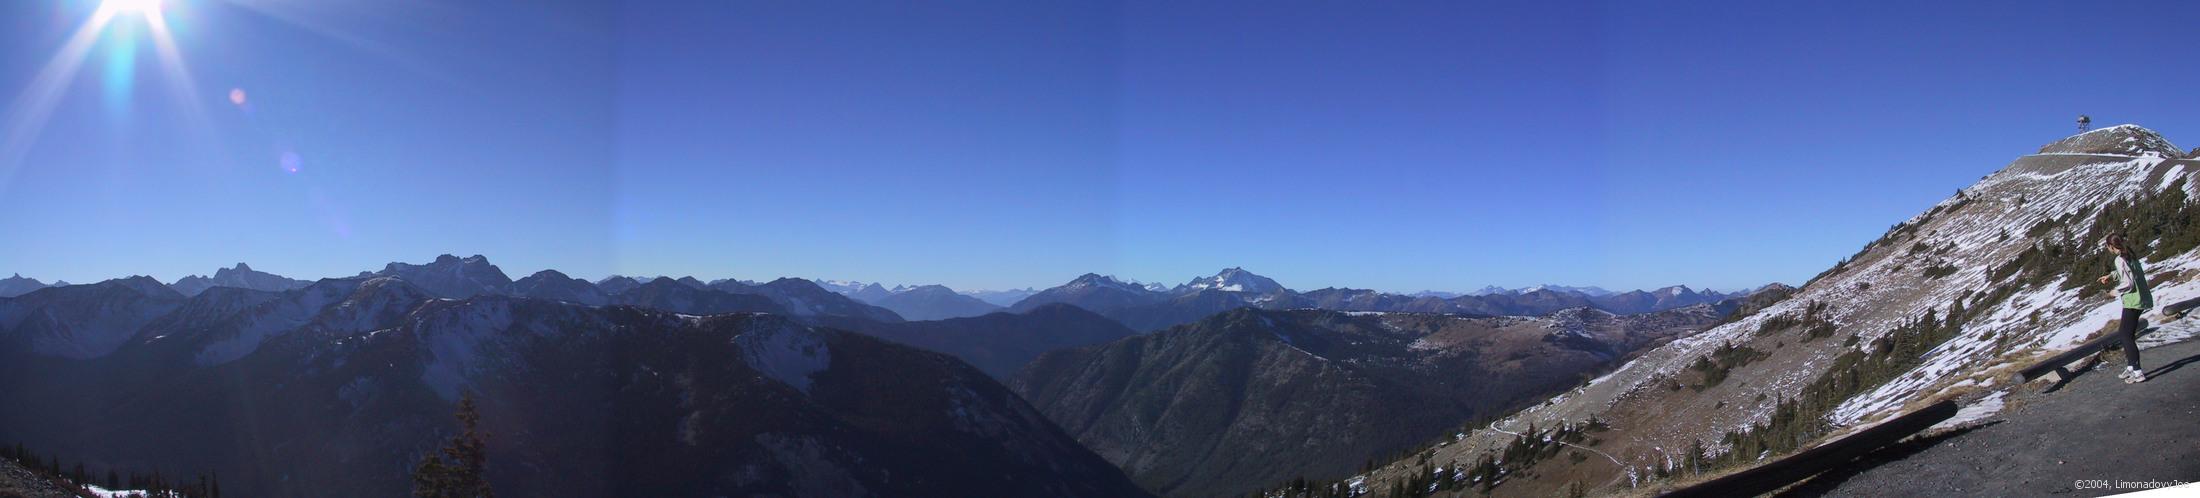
x: 2086, y: 437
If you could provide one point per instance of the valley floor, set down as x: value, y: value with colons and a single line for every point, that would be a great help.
x: 2094, y: 428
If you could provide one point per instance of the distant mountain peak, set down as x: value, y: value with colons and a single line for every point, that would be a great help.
x: 452, y: 276
x: 793, y: 281
x: 143, y: 285
x: 926, y: 288
x: 1098, y: 280
x: 1591, y: 290
x: 1232, y: 279
x: 241, y: 276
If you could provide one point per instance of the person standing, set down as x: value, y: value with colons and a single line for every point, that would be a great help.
x: 2131, y: 287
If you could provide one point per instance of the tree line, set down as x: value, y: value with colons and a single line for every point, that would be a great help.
x: 154, y: 485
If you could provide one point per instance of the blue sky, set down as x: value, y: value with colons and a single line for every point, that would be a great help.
x: 1402, y: 146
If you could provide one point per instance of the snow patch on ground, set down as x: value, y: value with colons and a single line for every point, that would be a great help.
x: 116, y: 493
x: 1985, y: 407
x: 455, y: 338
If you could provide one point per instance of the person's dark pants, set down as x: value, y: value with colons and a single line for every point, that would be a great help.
x: 2127, y: 336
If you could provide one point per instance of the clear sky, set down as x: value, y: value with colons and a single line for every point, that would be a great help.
x: 1398, y: 145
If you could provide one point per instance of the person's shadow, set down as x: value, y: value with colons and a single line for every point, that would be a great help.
x: 2173, y: 366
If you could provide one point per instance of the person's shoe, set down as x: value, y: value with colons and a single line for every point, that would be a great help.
x: 2133, y: 376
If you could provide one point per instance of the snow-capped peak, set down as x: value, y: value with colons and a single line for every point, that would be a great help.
x: 1232, y: 280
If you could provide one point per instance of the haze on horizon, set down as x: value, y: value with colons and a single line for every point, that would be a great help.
x: 1401, y: 147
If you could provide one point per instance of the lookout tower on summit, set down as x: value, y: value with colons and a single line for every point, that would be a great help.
x: 2084, y: 123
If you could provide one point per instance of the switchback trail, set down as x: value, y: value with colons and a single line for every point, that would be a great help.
x: 1624, y: 470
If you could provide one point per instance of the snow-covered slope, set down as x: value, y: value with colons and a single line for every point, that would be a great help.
x: 1943, y: 306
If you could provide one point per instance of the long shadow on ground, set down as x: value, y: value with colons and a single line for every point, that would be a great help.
x: 2092, y: 430
x: 2172, y: 367
x: 1825, y: 482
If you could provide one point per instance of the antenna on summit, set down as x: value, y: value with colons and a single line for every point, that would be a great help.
x: 2084, y: 123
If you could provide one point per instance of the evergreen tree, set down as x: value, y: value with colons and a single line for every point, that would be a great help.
x: 462, y: 475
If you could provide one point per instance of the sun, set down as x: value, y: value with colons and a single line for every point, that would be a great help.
x: 131, y: 6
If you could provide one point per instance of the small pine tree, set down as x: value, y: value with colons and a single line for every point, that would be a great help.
x: 463, y: 475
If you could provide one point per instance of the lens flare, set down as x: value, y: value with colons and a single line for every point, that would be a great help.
x: 236, y: 97
x: 132, y: 6
x: 25, y: 117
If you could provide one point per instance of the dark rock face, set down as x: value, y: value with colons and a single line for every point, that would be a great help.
x: 242, y: 276
x: 1251, y: 397
x: 452, y: 277
x: 1736, y: 307
x: 577, y: 401
x: 932, y: 302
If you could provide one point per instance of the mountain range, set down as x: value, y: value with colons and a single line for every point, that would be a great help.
x: 388, y: 351
x: 612, y: 400
x: 1143, y: 308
